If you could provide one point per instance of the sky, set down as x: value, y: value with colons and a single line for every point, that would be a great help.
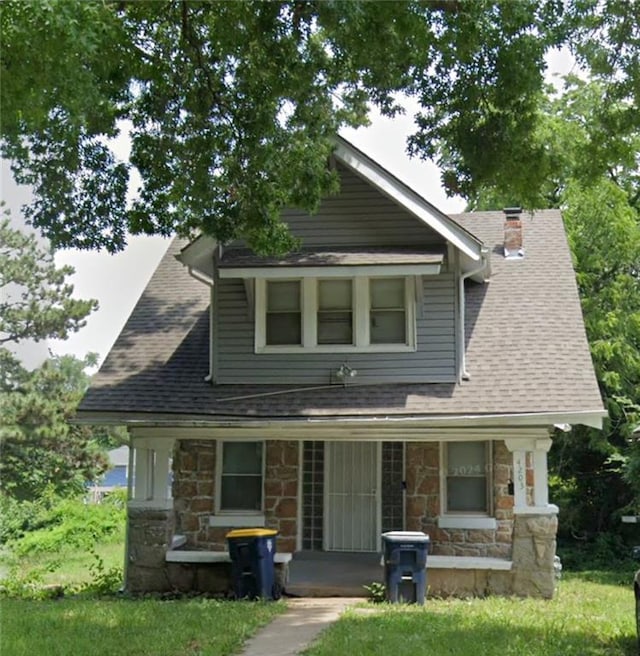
x: 117, y: 281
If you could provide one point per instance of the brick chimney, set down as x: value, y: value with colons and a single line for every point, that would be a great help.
x: 513, y: 244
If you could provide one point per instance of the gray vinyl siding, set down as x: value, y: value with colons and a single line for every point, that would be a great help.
x: 358, y: 216
x: 433, y: 361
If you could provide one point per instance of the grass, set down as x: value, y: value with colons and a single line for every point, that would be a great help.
x: 592, y: 615
x: 145, y: 627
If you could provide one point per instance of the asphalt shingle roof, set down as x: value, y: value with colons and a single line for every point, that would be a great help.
x: 526, y: 347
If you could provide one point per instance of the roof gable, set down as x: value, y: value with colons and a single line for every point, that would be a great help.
x: 410, y: 200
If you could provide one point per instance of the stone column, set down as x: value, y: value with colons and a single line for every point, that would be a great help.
x: 281, y: 491
x: 534, y: 549
x: 150, y: 518
x: 150, y: 531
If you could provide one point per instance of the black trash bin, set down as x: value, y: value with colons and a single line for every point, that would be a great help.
x: 252, y: 570
x: 405, y: 563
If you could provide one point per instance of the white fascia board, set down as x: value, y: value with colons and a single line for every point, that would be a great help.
x: 410, y: 200
x: 136, y: 421
x: 198, y: 255
x: 370, y: 270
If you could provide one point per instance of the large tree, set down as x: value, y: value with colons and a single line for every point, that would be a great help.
x: 40, y: 449
x: 231, y: 106
x: 591, y: 172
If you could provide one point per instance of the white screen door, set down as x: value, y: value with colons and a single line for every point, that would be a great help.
x: 351, y: 496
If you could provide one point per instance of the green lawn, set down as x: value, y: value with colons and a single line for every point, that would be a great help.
x: 81, y: 627
x: 592, y: 615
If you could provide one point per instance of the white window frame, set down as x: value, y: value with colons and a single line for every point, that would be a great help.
x: 230, y: 513
x: 465, y: 518
x: 361, y: 318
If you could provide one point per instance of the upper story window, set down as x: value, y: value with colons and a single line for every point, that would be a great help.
x: 335, y: 314
x: 387, y: 314
x: 283, y: 312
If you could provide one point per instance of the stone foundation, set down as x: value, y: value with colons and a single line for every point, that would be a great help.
x: 464, y: 583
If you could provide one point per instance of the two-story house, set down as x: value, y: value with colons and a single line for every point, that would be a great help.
x: 405, y: 370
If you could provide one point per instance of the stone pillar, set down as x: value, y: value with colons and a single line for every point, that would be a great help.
x: 149, y: 537
x: 193, y: 492
x: 534, y: 549
x: 282, y: 471
x: 423, y: 486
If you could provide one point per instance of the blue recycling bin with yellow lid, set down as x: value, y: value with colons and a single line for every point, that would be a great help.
x: 405, y: 563
x: 252, y: 552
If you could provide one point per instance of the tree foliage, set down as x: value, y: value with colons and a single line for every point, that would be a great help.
x: 591, y: 171
x: 232, y: 106
x: 35, y: 298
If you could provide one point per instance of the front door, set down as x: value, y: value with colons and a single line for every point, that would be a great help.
x: 352, y: 475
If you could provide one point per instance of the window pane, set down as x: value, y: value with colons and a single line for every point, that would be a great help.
x: 466, y: 459
x: 467, y: 494
x: 283, y: 296
x: 387, y: 293
x: 242, y: 458
x: 241, y: 493
x: 334, y: 295
x: 388, y: 327
x: 335, y: 328
x: 284, y: 328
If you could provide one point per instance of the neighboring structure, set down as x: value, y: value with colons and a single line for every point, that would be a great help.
x: 405, y: 370
x: 116, y: 477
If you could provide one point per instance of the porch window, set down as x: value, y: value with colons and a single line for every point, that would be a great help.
x: 335, y: 315
x: 241, y: 473
x: 467, y: 477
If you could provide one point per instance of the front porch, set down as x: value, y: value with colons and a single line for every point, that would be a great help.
x: 331, y: 500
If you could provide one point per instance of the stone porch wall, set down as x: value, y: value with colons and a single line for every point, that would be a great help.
x: 194, y: 468
x: 424, y: 505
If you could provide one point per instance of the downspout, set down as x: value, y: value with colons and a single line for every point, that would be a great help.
x: 201, y: 277
x: 484, y: 265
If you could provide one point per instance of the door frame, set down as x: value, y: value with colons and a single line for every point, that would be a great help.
x: 378, y: 494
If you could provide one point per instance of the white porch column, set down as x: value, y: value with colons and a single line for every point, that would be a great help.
x: 519, y: 479
x: 538, y: 448
x: 151, y: 472
x: 143, y: 474
x: 161, y: 474
x: 540, y: 474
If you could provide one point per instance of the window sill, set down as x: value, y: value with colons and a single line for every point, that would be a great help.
x: 467, y: 521
x: 339, y: 348
x: 237, y: 520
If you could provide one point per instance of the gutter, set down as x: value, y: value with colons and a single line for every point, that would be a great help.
x: 586, y: 417
x: 484, y: 266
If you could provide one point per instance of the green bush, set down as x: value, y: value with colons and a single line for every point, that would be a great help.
x: 18, y: 517
x: 72, y: 523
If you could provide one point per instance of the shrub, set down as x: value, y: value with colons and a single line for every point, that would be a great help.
x: 72, y: 523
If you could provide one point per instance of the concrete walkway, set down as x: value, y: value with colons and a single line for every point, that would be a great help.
x: 297, y: 627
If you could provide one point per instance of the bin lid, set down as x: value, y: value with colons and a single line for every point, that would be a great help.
x: 405, y: 536
x: 251, y: 533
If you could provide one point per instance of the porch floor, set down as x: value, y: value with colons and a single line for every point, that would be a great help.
x: 333, y: 574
